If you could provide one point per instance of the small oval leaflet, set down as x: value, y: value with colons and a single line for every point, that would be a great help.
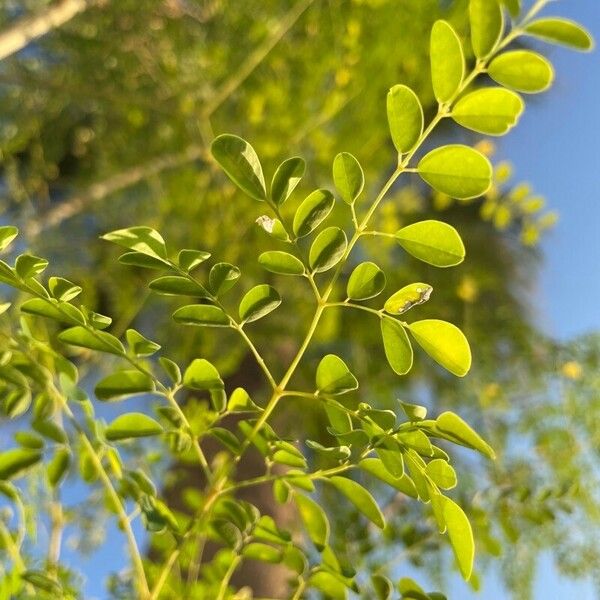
x: 222, y: 277
x: 442, y: 474
x: 201, y: 315
x: 16, y: 461
x: 312, y: 211
x: 445, y: 343
x: 123, y: 383
x: 433, y: 242
x: 462, y: 433
x: 333, y: 376
x: 360, y: 497
x: 522, y: 70
x: 132, y: 425
x: 286, y: 178
x: 202, y: 375
x: 327, y: 249
x: 366, y: 281
x: 396, y: 344
x: 493, y: 111
x: 258, y: 302
x: 405, y: 117
x: 175, y: 285
x: 447, y: 61
x: 348, y: 177
x: 314, y: 519
x: 456, y: 170
x: 460, y: 534
x: 282, y: 263
x: 144, y: 240
x: 407, y: 297
x: 561, y: 31
x: 240, y: 163
x: 487, y: 25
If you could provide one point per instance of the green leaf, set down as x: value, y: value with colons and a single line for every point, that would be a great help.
x: 41, y: 581
x: 171, y: 369
x: 258, y: 302
x: 50, y: 430
x: 414, y: 412
x: 174, y: 285
x: 445, y: 343
x: 348, y: 177
x: 58, y: 466
x: 514, y: 7
x: 28, y: 265
x: 493, y: 111
x: 375, y: 467
x: 7, y: 234
x: 338, y: 453
x: 460, y: 534
x: 396, y: 344
x: 240, y: 401
x: 314, y: 519
x: 99, y: 340
x: 339, y: 418
x: 140, y: 239
x: 286, y: 178
x: 202, y: 315
x: 282, y: 263
x: 522, y: 70
x: 14, y: 462
x: 53, y: 309
x: 456, y: 170
x: 240, y: 162
x: 360, y: 497
x: 123, y: 383
x: 561, y: 31
x: 447, y: 61
x: 383, y: 586
x: 460, y: 432
x: 327, y: 249
x: 262, y: 553
x: 222, y: 277
x: 202, y: 375
x: 334, y: 377
x: 273, y: 227
x: 409, y: 296
x: 487, y: 25
x: 442, y: 474
x: 138, y: 259
x: 188, y: 260
x: 405, y: 118
x: 28, y: 439
x: 63, y: 289
x: 330, y: 585
x: 411, y: 590
x: 132, y: 425
x: 140, y: 345
x: 433, y: 242
x: 312, y: 211
x: 366, y: 281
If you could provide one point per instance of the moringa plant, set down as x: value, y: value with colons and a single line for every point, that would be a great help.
x: 184, y: 409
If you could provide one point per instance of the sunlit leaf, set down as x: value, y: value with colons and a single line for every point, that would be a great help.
x: 28, y: 265
x: 487, y: 25
x: 366, y: 281
x: 132, y: 425
x: 375, y: 467
x: 202, y: 315
x: 58, y: 466
x: 447, y: 61
x: 174, y: 285
x: 188, y: 260
x: 327, y: 249
x: 462, y: 433
x: 282, y: 263
x: 140, y: 239
x: 492, y: 111
x: 522, y: 70
x: 445, y: 343
x: 14, y: 462
x: 433, y: 242
x: 442, y: 474
x: 383, y: 586
x: 396, y: 344
x: 407, y: 297
x: 240, y: 162
x: 286, y: 178
x: 98, y: 340
x: 122, y: 384
x: 202, y: 375
x: 314, y: 519
x: 348, y: 177
x: 360, y: 497
x: 7, y: 234
x: 258, y: 302
x: 561, y: 31
x: 312, y: 211
x: 456, y: 170
x: 460, y: 534
x: 333, y: 376
x: 62, y: 289
x: 140, y: 345
x: 222, y: 277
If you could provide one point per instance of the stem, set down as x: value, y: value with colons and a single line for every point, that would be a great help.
x: 233, y: 565
x: 378, y: 313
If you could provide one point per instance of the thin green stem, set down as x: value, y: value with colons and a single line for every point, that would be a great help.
x: 233, y: 565
x: 378, y: 313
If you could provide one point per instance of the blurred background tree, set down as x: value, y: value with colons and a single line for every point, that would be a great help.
x: 106, y: 122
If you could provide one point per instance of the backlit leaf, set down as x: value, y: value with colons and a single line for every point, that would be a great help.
x: 487, y: 25
x: 461, y: 536
x: 7, y: 234
x: 442, y: 474
x: 140, y: 239
x: 445, y: 343
x: 522, y: 70
x: 98, y: 340
x: 58, y: 466
x: 282, y: 263
x: 202, y: 375
x: 132, y: 425
x: 188, y: 260
x: 409, y: 296
x: 240, y: 162
x: 461, y: 432
x: 396, y: 344
x: 314, y: 519
x: 14, y: 462
x: 433, y: 242
x: 561, y: 31
x: 258, y: 302
x: 202, y: 315
x: 456, y: 170
x: 366, y: 281
x: 123, y: 383
x: 405, y: 117
x: 312, y: 211
x: 327, y: 249
x: 333, y: 376
x: 447, y: 61
x: 348, y: 177
x: 360, y: 497
x: 222, y: 277
x: 286, y: 178
x: 175, y: 285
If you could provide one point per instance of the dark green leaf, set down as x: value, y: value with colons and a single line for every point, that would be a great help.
x: 174, y: 285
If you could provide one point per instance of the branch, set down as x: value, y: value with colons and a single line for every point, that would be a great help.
x: 29, y: 28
